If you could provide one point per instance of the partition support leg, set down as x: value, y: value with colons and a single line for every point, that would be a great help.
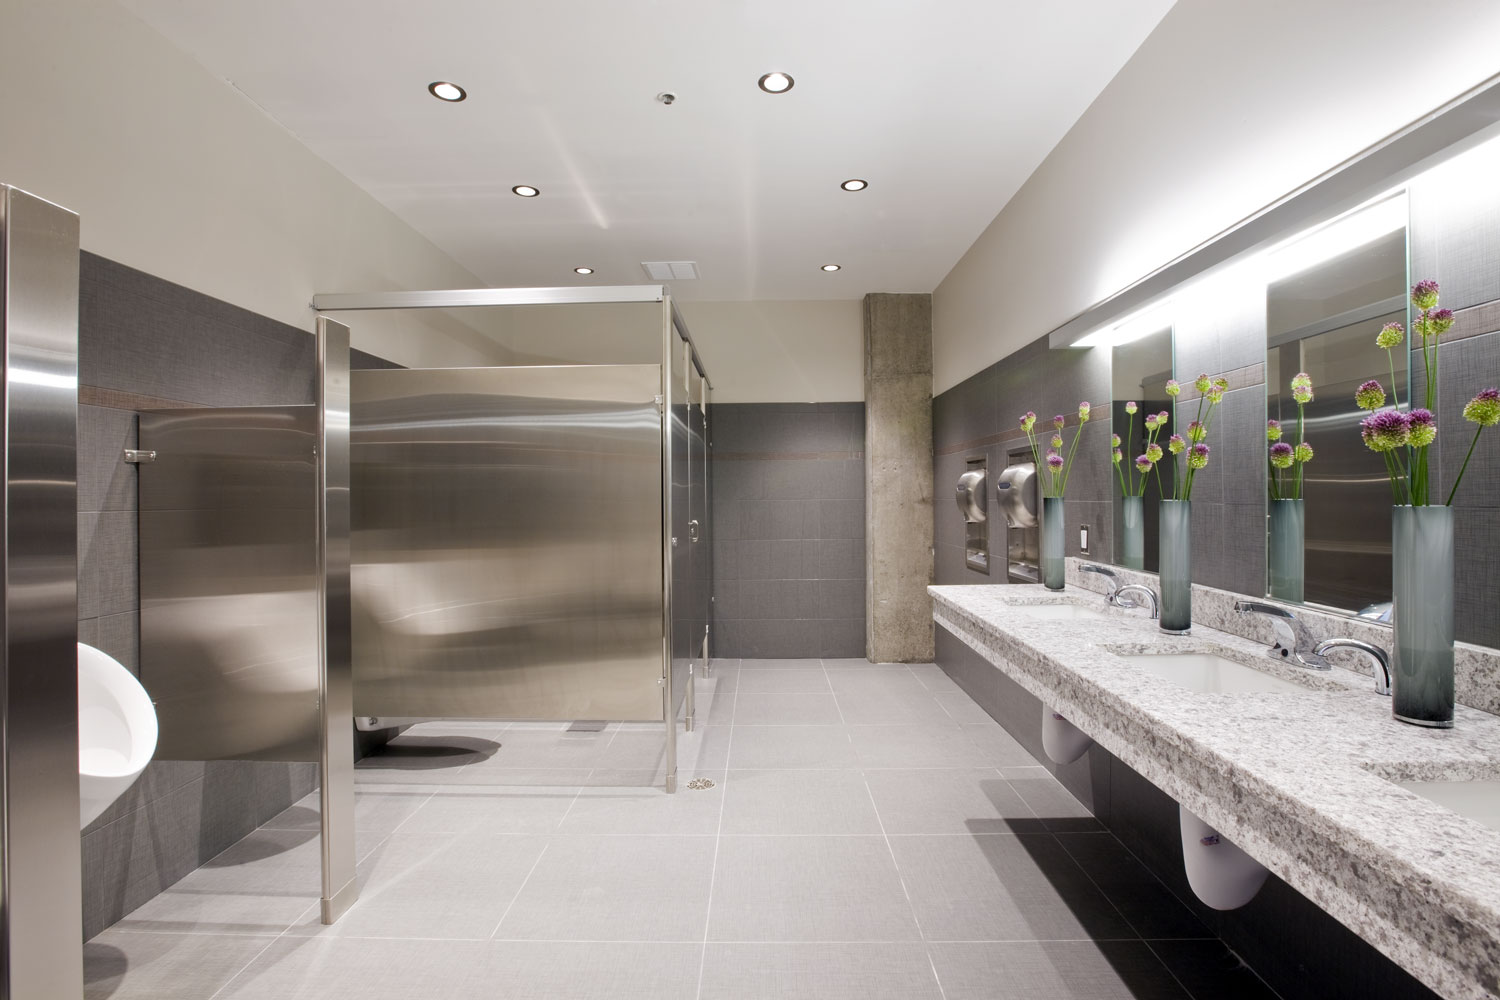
x: 335, y: 673
x: 691, y: 708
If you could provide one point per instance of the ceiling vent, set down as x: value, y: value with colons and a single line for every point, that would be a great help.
x: 670, y: 270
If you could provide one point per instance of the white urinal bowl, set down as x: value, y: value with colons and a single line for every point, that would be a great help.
x: 116, y: 731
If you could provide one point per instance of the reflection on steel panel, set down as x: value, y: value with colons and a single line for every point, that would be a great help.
x: 507, y: 539
x: 229, y: 614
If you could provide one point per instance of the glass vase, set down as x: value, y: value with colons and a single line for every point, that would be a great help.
x: 1175, y: 546
x: 1133, y: 533
x: 1285, y: 550
x: 1422, y: 590
x: 1052, y: 542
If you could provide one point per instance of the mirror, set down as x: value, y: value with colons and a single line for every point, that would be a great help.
x: 1329, y: 522
x: 1139, y: 371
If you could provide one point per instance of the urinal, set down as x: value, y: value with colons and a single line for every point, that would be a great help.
x: 116, y: 731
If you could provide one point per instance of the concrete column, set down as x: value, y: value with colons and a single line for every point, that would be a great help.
x: 898, y: 478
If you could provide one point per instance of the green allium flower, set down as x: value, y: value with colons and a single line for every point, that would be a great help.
x: 1117, y: 456
x: 1385, y: 430
x: 1176, y: 443
x: 1484, y: 409
x: 1173, y: 387
x: 1153, y: 451
x: 1028, y: 421
x: 1390, y: 335
x: 1114, y: 440
x: 1421, y: 428
x: 1370, y: 395
x: 1196, y: 431
x: 1282, y: 455
x: 1304, y: 452
x: 1215, y: 395
x: 1198, y: 456
x: 1203, y: 383
x: 1424, y: 294
x: 1221, y: 383
x: 1302, y: 388
x: 1130, y: 407
x: 1056, y: 441
x: 1151, y: 422
x: 1273, y: 430
x: 1083, y: 412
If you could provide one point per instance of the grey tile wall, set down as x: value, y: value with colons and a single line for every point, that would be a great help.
x: 142, y: 336
x: 789, y: 529
x: 1298, y: 949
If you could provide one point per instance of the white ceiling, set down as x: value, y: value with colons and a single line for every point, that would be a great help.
x: 945, y: 106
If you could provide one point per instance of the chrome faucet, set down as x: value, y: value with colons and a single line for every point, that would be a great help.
x: 1382, y: 660
x: 1292, y: 643
x: 1109, y: 577
x: 1124, y: 598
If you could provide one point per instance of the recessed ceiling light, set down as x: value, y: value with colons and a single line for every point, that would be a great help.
x: 776, y: 83
x: 583, y: 270
x: 525, y: 191
x: 445, y: 91
x: 830, y: 267
x: 855, y: 184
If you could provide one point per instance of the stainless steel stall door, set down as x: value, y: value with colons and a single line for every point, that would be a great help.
x: 507, y: 540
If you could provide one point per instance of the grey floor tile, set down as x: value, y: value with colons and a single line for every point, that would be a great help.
x: 121, y: 965
x: 919, y: 745
x: 844, y: 663
x: 452, y: 886
x: 808, y: 889
x: 540, y: 748
x: 798, y: 802
x: 720, y: 711
x: 267, y: 862
x: 615, y: 889
x: 961, y: 708
x: 1055, y: 806
x: 376, y: 812
x: 335, y: 968
x: 632, y: 803
x: 784, y: 664
x: 934, y: 678
x: 1002, y: 887
x: 765, y: 747
x: 959, y: 801
x: 466, y: 808
x: 818, y: 972
x: 763, y: 708
x: 999, y: 747
x: 888, y: 703
x: 1140, y: 896
x: 1060, y: 970
x: 562, y: 970
x: 779, y: 681
x: 1210, y: 971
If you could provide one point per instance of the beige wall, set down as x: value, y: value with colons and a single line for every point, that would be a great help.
x: 1226, y: 107
x: 780, y: 352
x: 175, y: 173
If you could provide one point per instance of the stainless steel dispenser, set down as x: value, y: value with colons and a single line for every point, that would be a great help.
x: 1016, y: 491
x: 972, y: 503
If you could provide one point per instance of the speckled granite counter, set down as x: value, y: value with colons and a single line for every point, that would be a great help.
x: 1302, y: 781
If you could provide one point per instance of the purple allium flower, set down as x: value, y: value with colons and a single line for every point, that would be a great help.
x: 1114, y: 440
x: 1273, y: 430
x: 1173, y: 387
x: 1130, y: 407
x: 1083, y: 412
x: 1484, y: 409
x: 1203, y: 383
x: 1176, y: 443
x: 1281, y: 455
x: 1424, y: 294
x: 1058, y: 421
x: 1153, y: 451
x: 1196, y: 431
x: 1385, y: 431
x: 1028, y: 420
x: 1304, y: 453
x: 1390, y: 336
x: 1054, y: 461
x: 1437, y: 322
x: 1117, y: 456
x: 1143, y: 463
x: 1370, y: 395
x: 1197, y: 456
x: 1056, y: 441
x: 1421, y: 428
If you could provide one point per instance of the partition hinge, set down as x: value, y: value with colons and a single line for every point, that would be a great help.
x: 660, y: 408
x: 136, y: 456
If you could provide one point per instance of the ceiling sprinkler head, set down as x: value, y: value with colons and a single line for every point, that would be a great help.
x: 666, y: 97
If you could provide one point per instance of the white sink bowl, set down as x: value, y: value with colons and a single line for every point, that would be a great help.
x: 1210, y: 674
x: 1061, y: 613
x: 1477, y: 800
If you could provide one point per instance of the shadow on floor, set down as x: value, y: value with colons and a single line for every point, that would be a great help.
x: 104, y: 968
x: 425, y: 753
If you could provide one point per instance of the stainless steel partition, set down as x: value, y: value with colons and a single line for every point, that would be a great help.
x: 229, y: 581
x: 41, y: 908
x: 506, y: 536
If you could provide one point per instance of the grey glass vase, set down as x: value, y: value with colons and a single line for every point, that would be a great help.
x: 1175, y: 546
x: 1133, y: 533
x: 1052, y: 543
x: 1285, y: 550
x: 1422, y: 589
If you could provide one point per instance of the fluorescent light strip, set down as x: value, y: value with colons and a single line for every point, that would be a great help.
x: 1309, y: 249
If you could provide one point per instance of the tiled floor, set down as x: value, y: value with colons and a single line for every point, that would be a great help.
x: 869, y: 834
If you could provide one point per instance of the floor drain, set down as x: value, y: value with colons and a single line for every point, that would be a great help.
x: 699, y: 784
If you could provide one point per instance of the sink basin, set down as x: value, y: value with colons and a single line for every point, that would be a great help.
x: 1476, y: 800
x: 1211, y: 674
x: 1062, y: 613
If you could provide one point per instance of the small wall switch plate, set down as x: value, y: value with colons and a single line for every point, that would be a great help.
x: 1083, y: 539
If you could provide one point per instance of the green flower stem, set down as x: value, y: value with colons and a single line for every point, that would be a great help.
x: 1465, y: 467
x: 1297, y: 485
x: 1067, y: 468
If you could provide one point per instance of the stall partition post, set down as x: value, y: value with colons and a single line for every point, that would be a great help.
x: 664, y: 407
x: 335, y: 666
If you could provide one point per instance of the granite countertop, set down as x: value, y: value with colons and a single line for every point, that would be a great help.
x: 1303, y: 781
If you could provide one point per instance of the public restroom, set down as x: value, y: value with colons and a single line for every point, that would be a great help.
x: 926, y: 501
